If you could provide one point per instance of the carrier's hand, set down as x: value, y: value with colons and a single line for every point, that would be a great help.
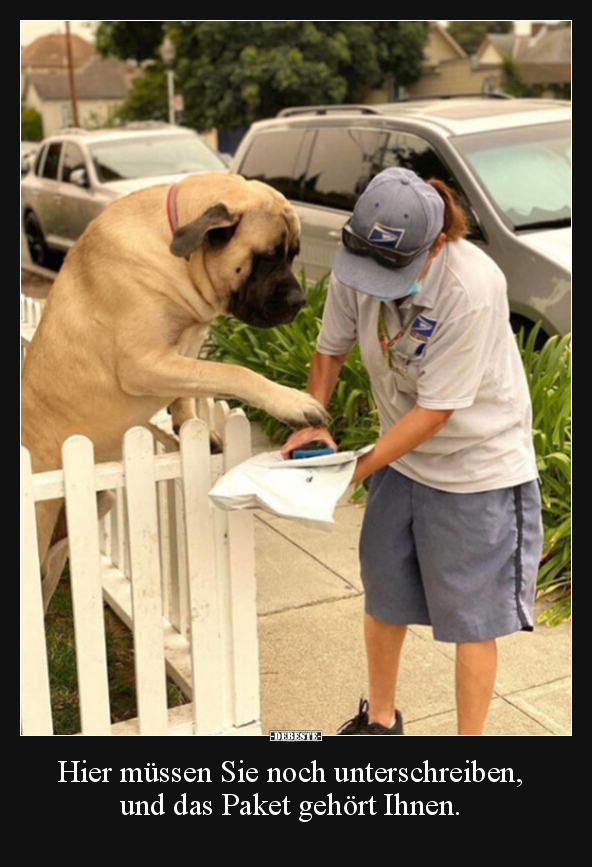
x: 307, y: 435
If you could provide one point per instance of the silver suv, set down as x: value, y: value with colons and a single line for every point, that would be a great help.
x: 78, y: 172
x: 509, y: 161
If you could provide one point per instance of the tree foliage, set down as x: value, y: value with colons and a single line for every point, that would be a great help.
x: 137, y: 40
x: 147, y: 98
x: 231, y: 73
x: 470, y: 34
x: 31, y: 124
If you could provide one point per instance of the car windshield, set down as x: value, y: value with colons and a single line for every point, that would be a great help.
x: 150, y: 156
x: 526, y: 171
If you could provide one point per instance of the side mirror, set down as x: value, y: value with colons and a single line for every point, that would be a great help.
x: 80, y: 178
x: 25, y: 167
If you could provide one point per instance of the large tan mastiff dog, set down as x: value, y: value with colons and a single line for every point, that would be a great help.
x: 129, y: 311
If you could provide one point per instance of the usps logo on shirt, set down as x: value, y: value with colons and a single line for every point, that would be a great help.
x: 422, y: 329
x: 384, y: 236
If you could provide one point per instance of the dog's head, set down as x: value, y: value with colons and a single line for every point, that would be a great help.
x: 242, y: 244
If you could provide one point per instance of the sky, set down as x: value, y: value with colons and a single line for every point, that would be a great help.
x: 32, y: 29
x: 523, y: 25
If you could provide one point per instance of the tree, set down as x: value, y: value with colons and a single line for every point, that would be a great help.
x: 231, y: 73
x: 514, y: 83
x: 138, y: 40
x: 470, y: 34
x: 31, y: 124
x: 147, y: 99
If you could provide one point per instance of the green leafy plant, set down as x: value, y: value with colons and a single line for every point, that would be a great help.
x: 283, y: 355
x: 549, y: 377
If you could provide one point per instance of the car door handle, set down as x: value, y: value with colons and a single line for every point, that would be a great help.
x: 334, y: 233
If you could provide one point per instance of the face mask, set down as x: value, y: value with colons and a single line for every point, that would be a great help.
x: 413, y: 290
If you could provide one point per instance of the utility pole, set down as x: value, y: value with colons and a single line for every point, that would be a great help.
x: 71, y: 77
x: 168, y: 54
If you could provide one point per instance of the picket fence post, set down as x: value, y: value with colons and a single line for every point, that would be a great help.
x: 87, y: 595
x: 138, y: 457
x: 35, y: 695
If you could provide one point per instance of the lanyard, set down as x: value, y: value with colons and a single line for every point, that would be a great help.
x: 386, y: 342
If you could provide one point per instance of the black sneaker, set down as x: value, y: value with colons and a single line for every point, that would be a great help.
x: 361, y: 725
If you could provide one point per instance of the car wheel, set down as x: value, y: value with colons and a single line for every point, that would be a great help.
x: 521, y: 322
x: 35, y: 240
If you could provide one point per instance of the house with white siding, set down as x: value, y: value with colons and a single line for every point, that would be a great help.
x: 101, y: 85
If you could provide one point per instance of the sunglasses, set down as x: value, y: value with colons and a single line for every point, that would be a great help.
x: 389, y: 258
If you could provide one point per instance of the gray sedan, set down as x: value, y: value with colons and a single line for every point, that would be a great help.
x: 77, y: 173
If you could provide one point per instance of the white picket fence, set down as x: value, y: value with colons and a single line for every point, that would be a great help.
x: 178, y: 572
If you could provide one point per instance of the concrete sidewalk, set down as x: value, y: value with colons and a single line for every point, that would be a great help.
x: 313, y: 668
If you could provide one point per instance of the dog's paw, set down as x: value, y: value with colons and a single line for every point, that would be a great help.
x: 299, y: 409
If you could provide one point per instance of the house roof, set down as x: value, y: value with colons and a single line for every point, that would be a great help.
x: 504, y: 42
x: 50, y: 51
x: 100, y: 79
x: 549, y: 59
x: 553, y: 47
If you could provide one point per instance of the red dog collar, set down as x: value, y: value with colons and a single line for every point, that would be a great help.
x: 171, y: 205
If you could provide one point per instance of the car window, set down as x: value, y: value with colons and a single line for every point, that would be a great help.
x: 342, y: 163
x: 409, y: 151
x: 73, y: 159
x: 525, y: 171
x: 52, y: 161
x: 151, y: 156
x: 39, y: 160
x: 279, y: 159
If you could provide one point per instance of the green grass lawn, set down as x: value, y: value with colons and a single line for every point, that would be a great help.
x: 61, y: 654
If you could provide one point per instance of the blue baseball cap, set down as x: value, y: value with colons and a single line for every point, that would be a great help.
x: 397, y: 215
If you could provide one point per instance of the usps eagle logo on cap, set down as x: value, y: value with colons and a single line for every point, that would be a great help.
x: 384, y: 236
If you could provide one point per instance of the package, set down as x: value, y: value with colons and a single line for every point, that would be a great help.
x: 306, y: 489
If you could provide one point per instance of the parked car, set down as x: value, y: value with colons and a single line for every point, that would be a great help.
x: 28, y: 151
x: 77, y: 173
x: 509, y: 161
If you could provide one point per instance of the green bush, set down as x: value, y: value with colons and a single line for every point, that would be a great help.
x: 283, y: 355
x: 31, y: 124
x: 549, y: 378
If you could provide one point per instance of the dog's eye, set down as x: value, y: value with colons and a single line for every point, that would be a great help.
x: 273, y: 256
x: 221, y: 236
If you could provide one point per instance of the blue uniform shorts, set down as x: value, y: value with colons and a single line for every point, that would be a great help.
x: 466, y: 564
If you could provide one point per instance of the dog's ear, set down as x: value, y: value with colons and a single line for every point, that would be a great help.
x: 189, y: 237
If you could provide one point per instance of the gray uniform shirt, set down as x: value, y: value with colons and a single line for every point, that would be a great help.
x: 453, y: 349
